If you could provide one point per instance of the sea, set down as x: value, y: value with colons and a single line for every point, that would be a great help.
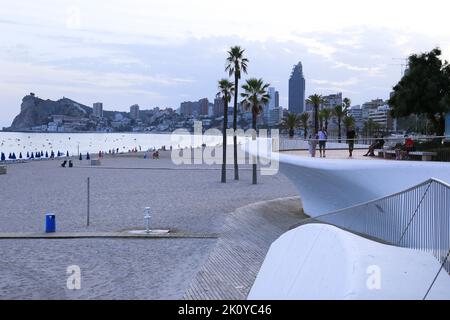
x: 75, y: 143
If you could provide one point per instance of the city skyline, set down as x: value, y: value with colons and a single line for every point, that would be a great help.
x: 160, y: 57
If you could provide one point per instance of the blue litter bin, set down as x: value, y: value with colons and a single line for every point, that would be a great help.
x: 50, y: 223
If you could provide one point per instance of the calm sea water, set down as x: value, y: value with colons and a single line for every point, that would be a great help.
x: 94, y: 142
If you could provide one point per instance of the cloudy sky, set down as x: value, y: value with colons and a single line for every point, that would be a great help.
x: 159, y: 53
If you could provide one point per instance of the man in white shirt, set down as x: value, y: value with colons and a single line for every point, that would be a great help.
x: 323, y: 136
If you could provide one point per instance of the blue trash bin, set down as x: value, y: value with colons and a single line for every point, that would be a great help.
x: 50, y: 223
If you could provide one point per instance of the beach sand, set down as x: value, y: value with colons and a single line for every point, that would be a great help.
x: 182, y: 198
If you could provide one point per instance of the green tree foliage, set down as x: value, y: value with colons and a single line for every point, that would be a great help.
x: 236, y: 64
x: 291, y: 122
x: 304, y: 118
x: 255, y: 97
x: 424, y: 89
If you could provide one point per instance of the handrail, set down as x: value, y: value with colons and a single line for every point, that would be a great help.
x: 385, y: 197
x: 416, y: 218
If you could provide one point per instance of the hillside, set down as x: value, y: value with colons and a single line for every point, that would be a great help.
x: 36, y: 111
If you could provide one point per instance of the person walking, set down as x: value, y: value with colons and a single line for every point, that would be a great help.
x: 323, y: 136
x: 351, y: 135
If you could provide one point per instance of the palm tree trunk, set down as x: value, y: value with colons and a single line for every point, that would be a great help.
x: 255, y: 178
x: 236, y: 88
x: 224, y: 142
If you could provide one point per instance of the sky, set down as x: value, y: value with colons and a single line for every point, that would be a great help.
x: 160, y: 53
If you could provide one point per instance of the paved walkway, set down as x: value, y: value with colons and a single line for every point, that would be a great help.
x: 105, y: 235
x: 234, y: 263
x: 334, y: 154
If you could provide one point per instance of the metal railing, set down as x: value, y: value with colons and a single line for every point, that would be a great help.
x: 417, y: 218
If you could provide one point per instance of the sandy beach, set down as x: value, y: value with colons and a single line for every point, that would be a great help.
x: 182, y: 198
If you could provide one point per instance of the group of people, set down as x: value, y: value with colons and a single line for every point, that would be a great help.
x: 402, y: 150
x: 65, y: 163
x: 320, y: 138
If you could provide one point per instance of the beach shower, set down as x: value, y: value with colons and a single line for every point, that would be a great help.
x: 147, y: 218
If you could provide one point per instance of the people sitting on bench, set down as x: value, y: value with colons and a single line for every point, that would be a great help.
x: 378, y: 144
x: 64, y: 164
x: 402, y: 150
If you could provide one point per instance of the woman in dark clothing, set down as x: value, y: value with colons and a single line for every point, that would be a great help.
x: 351, y: 135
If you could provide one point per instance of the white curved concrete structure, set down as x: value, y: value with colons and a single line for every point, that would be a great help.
x: 327, y: 185
x: 323, y: 262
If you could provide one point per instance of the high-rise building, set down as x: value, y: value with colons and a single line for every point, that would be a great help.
x: 271, y: 91
x: 277, y: 100
x: 219, y: 107
x: 203, y: 106
x: 382, y: 116
x: 356, y: 113
x: 134, y: 112
x: 270, y: 105
x: 197, y: 108
x: 297, y: 90
x: 371, y: 106
x: 187, y: 108
x: 332, y: 100
x: 98, y: 109
x: 275, y: 116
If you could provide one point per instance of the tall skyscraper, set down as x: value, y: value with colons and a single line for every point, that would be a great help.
x: 134, y: 112
x: 271, y: 92
x: 98, y: 109
x: 271, y: 105
x: 277, y: 100
x: 297, y: 90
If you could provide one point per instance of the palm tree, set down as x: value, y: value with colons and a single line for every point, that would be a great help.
x: 340, y: 112
x: 347, y: 103
x: 370, y: 127
x: 349, y: 122
x: 226, y: 90
x: 255, y: 98
x: 291, y: 122
x: 325, y: 114
x: 304, y: 118
x: 236, y: 63
x: 320, y: 120
x: 316, y: 100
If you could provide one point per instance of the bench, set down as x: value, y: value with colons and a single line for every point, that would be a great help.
x: 382, y: 153
x: 425, y: 156
x: 95, y: 162
x: 2, y: 170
